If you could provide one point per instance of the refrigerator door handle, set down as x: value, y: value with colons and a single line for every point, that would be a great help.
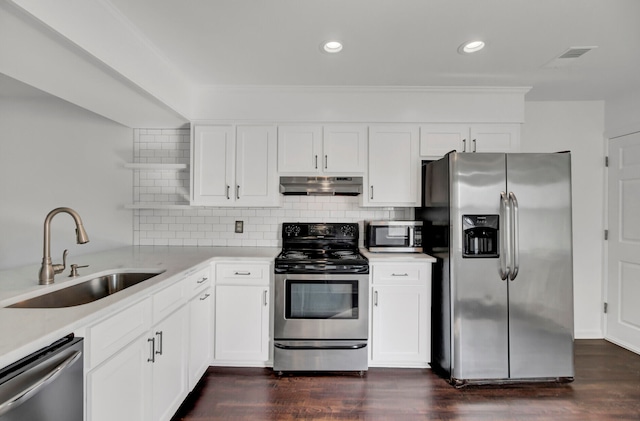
x: 505, y: 237
x: 515, y: 232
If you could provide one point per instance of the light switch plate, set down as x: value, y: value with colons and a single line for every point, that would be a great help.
x: 239, y: 227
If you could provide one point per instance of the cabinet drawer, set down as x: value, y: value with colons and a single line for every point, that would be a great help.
x: 252, y: 274
x: 199, y: 281
x: 110, y: 335
x: 407, y: 274
x: 168, y: 300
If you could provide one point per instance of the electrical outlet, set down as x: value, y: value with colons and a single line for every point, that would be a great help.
x: 239, y: 227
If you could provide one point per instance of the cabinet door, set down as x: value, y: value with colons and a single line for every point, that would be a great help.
x: 241, y: 324
x: 393, y: 166
x: 401, y: 330
x: 344, y: 149
x: 495, y: 138
x: 169, y: 379
x: 436, y: 140
x: 299, y: 149
x: 200, y: 334
x: 212, y: 165
x: 120, y: 388
x: 256, y: 180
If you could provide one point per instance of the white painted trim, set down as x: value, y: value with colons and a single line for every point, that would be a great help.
x: 589, y: 334
x: 623, y: 131
x: 624, y: 345
x: 366, y: 89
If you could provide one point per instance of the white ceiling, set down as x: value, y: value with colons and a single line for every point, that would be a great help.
x: 397, y: 43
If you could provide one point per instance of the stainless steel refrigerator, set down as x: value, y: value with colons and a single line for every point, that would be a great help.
x: 500, y: 228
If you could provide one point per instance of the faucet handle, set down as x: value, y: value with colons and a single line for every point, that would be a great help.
x: 61, y: 267
x: 74, y: 270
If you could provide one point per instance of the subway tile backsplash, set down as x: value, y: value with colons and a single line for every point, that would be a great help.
x: 214, y: 226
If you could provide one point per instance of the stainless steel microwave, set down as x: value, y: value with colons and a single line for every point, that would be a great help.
x: 394, y: 236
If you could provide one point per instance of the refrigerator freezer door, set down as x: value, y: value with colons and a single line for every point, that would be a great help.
x: 479, y: 300
x: 541, y: 295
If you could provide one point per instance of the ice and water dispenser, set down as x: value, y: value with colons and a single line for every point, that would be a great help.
x: 480, y: 235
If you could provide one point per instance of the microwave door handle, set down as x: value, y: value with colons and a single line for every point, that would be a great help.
x: 412, y: 236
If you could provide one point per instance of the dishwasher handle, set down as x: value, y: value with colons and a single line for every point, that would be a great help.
x: 25, y: 392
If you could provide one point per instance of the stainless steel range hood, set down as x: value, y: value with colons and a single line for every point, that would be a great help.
x: 327, y: 186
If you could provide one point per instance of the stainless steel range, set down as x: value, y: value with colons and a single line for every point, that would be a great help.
x: 321, y: 299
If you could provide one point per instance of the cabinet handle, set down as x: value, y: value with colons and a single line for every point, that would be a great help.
x: 326, y: 162
x: 203, y: 279
x: 371, y: 192
x: 264, y: 294
x: 159, y: 335
x: 464, y: 145
x: 152, y: 359
x: 228, y: 197
x: 316, y: 164
x: 474, y: 145
x: 242, y: 273
x: 204, y: 297
x: 237, y: 192
x: 375, y: 298
x: 399, y: 274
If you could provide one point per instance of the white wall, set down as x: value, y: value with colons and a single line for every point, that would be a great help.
x: 56, y: 154
x: 578, y: 127
x: 622, y: 115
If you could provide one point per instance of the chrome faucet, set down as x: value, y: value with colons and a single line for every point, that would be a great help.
x: 49, y: 270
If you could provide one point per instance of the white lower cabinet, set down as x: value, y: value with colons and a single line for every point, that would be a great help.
x: 200, y: 334
x: 242, y: 314
x: 138, y: 359
x: 400, y: 306
x: 120, y: 388
x: 146, y: 380
x: 169, y: 368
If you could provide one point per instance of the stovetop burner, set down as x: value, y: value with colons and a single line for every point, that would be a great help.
x: 320, y: 248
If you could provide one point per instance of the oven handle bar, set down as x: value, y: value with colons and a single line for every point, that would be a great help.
x: 354, y: 346
x: 42, y: 379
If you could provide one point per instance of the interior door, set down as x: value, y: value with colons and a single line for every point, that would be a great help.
x: 623, y: 288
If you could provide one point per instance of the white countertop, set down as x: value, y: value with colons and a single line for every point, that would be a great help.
x: 23, y: 331
x: 396, y: 257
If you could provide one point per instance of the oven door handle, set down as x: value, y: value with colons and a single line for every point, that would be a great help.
x: 353, y: 346
x: 35, y: 379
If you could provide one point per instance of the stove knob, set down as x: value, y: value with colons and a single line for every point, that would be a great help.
x: 347, y: 230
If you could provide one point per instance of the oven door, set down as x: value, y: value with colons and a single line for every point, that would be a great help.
x: 321, y: 307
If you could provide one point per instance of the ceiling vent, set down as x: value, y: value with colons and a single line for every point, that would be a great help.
x: 568, y: 57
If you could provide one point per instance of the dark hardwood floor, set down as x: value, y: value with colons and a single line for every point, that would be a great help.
x: 606, y: 387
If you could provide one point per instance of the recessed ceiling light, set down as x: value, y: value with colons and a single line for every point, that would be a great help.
x: 470, y: 47
x: 332, y: 46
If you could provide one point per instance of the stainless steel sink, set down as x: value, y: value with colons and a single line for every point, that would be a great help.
x: 86, y: 292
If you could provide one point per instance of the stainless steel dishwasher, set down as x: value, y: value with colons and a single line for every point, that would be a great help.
x: 46, y: 385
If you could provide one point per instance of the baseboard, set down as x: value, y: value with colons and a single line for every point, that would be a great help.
x: 589, y: 334
x: 625, y: 345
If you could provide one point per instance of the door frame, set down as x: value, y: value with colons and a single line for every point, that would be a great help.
x: 610, y: 136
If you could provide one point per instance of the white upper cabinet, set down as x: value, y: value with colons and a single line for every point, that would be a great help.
x: 394, y: 166
x: 438, y: 139
x: 299, y: 149
x: 495, y: 138
x: 344, y: 149
x: 234, y: 166
x: 315, y: 149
